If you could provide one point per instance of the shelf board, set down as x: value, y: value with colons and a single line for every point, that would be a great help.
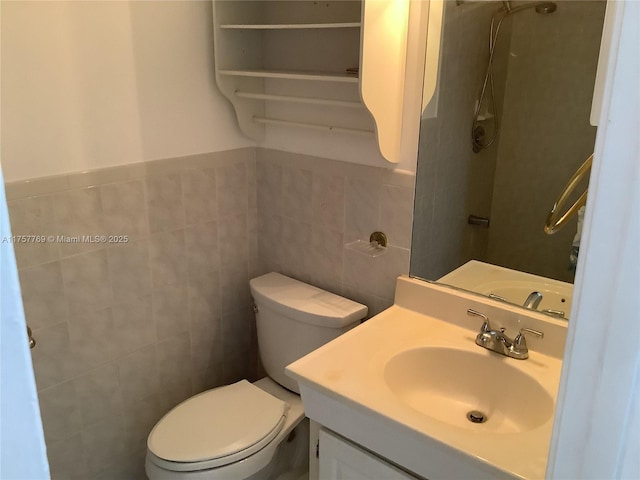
x: 315, y: 126
x: 290, y: 26
x: 293, y: 99
x: 293, y: 75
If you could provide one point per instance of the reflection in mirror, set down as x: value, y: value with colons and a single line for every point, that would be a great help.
x: 511, y: 126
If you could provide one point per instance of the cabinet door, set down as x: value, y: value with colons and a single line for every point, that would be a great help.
x: 343, y: 460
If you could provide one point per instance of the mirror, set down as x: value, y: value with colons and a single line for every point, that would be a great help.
x: 506, y: 128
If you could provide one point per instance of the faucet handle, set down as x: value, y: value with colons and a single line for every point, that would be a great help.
x: 486, y: 326
x: 520, y: 343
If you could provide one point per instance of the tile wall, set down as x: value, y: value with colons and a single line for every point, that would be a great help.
x: 310, y: 208
x: 125, y: 331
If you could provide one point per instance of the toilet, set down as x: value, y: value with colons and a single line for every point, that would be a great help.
x: 254, y: 431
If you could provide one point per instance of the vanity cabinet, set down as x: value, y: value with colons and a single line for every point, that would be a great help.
x: 337, y: 67
x: 342, y: 460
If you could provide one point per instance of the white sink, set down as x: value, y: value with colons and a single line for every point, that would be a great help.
x: 468, y: 390
x: 402, y: 384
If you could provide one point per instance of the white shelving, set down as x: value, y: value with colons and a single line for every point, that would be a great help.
x: 296, y: 99
x: 290, y: 26
x: 318, y: 126
x: 293, y: 75
x: 284, y: 64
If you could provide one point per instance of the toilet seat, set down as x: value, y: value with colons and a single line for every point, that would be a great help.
x: 216, y: 428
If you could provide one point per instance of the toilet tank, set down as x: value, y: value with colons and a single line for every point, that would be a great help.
x: 294, y: 318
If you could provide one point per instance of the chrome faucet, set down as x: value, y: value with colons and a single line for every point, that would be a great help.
x: 533, y: 300
x: 497, y: 341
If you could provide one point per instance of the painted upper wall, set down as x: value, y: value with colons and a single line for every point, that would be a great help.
x: 87, y: 85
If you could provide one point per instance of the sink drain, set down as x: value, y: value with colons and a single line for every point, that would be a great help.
x: 475, y: 416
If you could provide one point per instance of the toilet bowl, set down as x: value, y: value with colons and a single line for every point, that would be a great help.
x: 254, y: 431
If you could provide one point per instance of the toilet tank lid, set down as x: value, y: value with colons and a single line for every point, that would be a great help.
x: 305, y: 302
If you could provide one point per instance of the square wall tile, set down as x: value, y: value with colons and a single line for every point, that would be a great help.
x: 60, y: 411
x: 79, y: 213
x: 124, y: 209
x: 34, y: 216
x: 171, y: 311
x: 396, y: 214
x: 86, y: 281
x: 168, y: 260
x: 232, y: 190
x: 200, y: 197
x: 296, y: 193
x: 138, y: 373
x: 129, y: 270
x: 165, y: 202
x: 362, y: 213
x: 43, y: 295
x: 328, y: 201
x: 133, y: 324
x: 99, y: 395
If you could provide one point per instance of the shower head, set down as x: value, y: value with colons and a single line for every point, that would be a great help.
x: 507, y: 6
x: 546, y: 7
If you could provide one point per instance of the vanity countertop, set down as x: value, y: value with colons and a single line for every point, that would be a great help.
x: 373, y: 385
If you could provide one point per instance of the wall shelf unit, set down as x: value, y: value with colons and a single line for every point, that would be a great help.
x: 291, y: 64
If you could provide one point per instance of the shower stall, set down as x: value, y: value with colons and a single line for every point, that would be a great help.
x: 516, y: 86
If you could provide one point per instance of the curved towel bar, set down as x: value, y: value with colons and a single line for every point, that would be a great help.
x: 555, y: 221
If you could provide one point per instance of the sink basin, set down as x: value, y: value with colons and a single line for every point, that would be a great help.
x: 447, y: 384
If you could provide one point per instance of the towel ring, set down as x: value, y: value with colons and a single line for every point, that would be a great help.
x: 554, y: 220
